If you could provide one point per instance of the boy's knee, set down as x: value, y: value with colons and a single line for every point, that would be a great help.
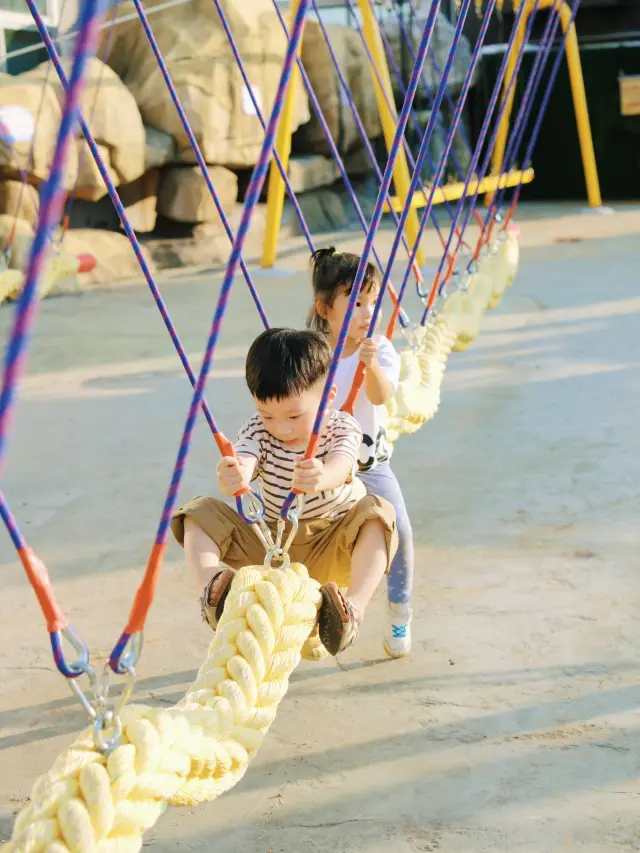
x: 191, y: 529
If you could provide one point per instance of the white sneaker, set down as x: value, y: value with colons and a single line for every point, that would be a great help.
x: 397, y: 637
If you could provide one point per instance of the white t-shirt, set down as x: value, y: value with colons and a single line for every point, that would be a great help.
x: 372, y: 419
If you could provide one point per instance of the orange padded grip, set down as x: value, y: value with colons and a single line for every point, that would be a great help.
x: 39, y: 580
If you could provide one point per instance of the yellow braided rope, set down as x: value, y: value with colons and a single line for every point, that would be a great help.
x: 189, y: 754
x: 422, y: 367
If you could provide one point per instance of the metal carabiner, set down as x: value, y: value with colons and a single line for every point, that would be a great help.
x: 254, y: 514
x: 280, y: 551
x: 409, y: 335
x: 119, y: 662
x: 107, y: 726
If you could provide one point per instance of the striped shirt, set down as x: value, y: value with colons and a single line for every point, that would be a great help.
x: 274, y: 471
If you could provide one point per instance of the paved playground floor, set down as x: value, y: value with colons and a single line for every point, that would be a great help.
x: 514, y: 724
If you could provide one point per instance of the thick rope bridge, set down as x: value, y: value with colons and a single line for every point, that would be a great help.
x: 91, y: 802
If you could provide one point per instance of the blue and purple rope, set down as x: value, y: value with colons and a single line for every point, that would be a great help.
x: 360, y: 126
x: 437, y: 101
x: 486, y: 163
x: 330, y: 141
x: 104, y: 53
x: 256, y: 106
x: 373, y: 228
x: 252, y: 197
x: 464, y: 205
x: 526, y: 163
x: 196, y: 150
x: 51, y: 205
x: 251, y: 200
x: 115, y: 198
x: 527, y: 101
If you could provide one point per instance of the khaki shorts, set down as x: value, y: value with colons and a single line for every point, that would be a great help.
x: 323, y: 545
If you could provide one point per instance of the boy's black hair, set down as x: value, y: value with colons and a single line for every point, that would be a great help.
x: 284, y: 363
x: 332, y: 271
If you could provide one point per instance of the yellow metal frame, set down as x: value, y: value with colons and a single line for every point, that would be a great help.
x: 275, y: 190
x: 577, y: 89
x: 452, y: 192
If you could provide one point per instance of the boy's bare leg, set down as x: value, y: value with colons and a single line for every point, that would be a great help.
x: 202, y: 553
x: 368, y: 565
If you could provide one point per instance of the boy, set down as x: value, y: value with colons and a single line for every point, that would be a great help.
x: 345, y: 537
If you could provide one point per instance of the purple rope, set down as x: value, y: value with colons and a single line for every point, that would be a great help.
x: 52, y: 201
x: 196, y: 150
x: 11, y: 524
x: 361, y: 129
x: 256, y: 106
x: 115, y: 198
x: 83, y: 152
x: 431, y: 124
x: 545, y: 101
x: 332, y: 145
x: 376, y: 72
x: 462, y: 206
x: 526, y: 104
x: 251, y: 200
x: 373, y: 228
x: 486, y: 164
x: 404, y: 320
x: 416, y: 127
x: 449, y: 99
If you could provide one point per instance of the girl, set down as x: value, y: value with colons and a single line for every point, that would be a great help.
x: 333, y: 277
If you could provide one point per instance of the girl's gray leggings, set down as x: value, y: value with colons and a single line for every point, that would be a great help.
x: 382, y: 481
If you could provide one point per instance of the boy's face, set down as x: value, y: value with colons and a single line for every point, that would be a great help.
x: 291, y: 419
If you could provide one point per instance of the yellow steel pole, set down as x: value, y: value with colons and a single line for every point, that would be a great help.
x: 388, y: 116
x: 581, y: 109
x: 578, y: 94
x: 275, y: 190
x: 508, y: 92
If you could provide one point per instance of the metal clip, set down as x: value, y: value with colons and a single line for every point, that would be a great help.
x: 279, y: 551
x: 107, y: 726
x: 254, y: 514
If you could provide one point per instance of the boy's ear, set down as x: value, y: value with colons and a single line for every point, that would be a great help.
x: 333, y: 393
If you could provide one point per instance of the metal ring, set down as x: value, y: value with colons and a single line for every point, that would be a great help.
x: 81, y: 664
x: 255, y: 510
x: 284, y: 558
x: 108, y: 723
x: 120, y: 662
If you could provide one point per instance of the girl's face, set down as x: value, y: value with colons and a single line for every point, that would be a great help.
x: 363, y: 312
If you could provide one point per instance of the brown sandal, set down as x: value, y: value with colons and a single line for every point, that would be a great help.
x: 338, y: 623
x: 212, y: 603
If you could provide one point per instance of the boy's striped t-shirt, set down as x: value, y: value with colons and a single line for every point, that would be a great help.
x: 274, y: 471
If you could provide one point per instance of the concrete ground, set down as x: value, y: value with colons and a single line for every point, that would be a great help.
x: 513, y: 725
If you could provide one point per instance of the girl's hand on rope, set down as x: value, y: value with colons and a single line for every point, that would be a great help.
x: 368, y: 353
x: 308, y: 476
x: 234, y: 475
x: 376, y: 385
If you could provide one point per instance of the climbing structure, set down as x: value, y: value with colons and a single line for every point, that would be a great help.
x: 113, y: 783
